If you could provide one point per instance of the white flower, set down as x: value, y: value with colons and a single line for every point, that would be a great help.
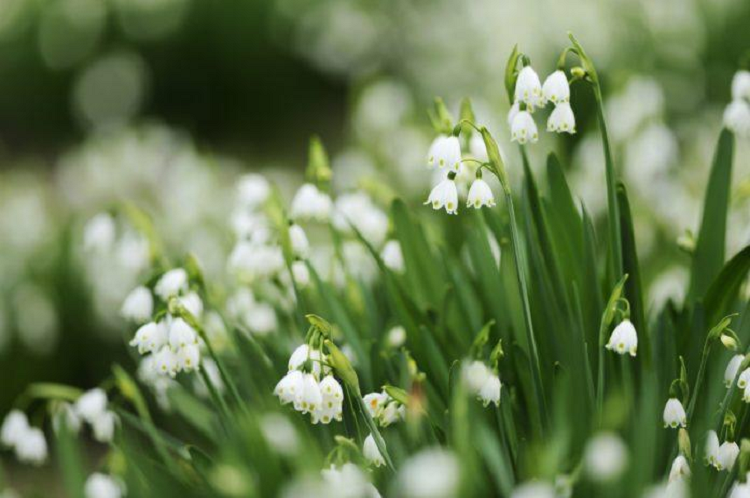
x: 332, y: 398
x: 371, y: 452
x: 606, y: 456
x: 311, y: 203
x: 193, y: 303
x: 431, y: 473
x: 311, y: 398
x: 102, y: 486
x: 524, y: 128
x: 732, y: 368
x: 445, y: 151
x: 746, y: 394
x: 69, y: 417
x: 261, y: 319
x: 357, y: 210
x: 474, y: 375
x: 490, y: 391
x: 172, y: 283
x: 301, y: 273
x: 375, y: 403
x: 31, y: 447
x: 300, y: 245
x: 740, y: 490
x: 299, y: 356
x: 680, y: 469
x: 189, y: 358
x: 166, y: 362
x: 744, y: 379
x: 534, y: 490
x: 480, y: 195
x: 280, y: 433
x: 252, y: 190
x: 737, y: 117
x: 290, y: 388
x: 14, y: 427
x: 392, y: 256
x: 562, y: 119
x: 674, y: 414
x: 150, y: 337
x: 138, y: 305
x: 91, y: 404
x: 712, y: 448
x: 181, y: 334
x: 99, y: 233
x: 556, y: 88
x: 444, y: 195
x: 396, y: 336
x: 477, y: 147
x: 624, y: 339
x: 741, y: 85
x: 513, y: 112
x: 393, y: 412
x: 251, y: 260
x: 104, y: 427
x: 728, y: 452
x: 345, y: 482
x: 529, y: 88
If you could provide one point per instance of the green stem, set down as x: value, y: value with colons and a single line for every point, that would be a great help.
x: 379, y: 441
x: 536, y: 373
x: 699, y: 379
x: 600, y: 373
x: 615, y: 235
x: 218, y: 399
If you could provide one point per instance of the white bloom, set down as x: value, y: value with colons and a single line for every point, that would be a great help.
x: 524, y: 128
x: 102, y: 486
x: 737, y: 117
x: 444, y: 195
x: 431, y: 473
x: 474, y: 375
x: 166, y: 362
x: 490, y: 391
x: 299, y: 356
x: 728, y: 453
x: 375, y: 403
x: 371, y: 452
x: 104, y: 427
x: 674, y: 414
x: 300, y: 245
x: 181, y: 334
x: 357, y: 210
x: 138, y: 305
x: 744, y: 379
x: 301, y: 273
x: 345, y: 482
x: 606, y: 456
x: 311, y: 398
x: 14, y: 427
x: 732, y: 368
x: 150, y: 337
x: 311, y: 203
x: 69, y: 417
x: 396, y: 336
x: 445, y: 151
x: 290, y: 388
x: 31, y: 447
x: 529, y: 88
x: 534, y: 490
x: 193, y: 303
x: 189, y: 358
x: 556, y: 88
x: 477, y: 147
x: 480, y: 195
x: 252, y: 190
x: 393, y: 412
x: 741, y: 85
x: 172, y: 283
x: 712, y: 448
x: 562, y: 119
x: 680, y: 469
x: 392, y: 256
x: 624, y: 339
x: 99, y: 233
x: 746, y: 394
x: 91, y: 404
x: 740, y: 490
x: 280, y: 433
x: 251, y: 260
x: 513, y: 112
x: 261, y: 319
x: 332, y: 398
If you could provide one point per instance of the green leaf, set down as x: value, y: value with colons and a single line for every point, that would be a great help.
x: 511, y: 74
x: 723, y: 291
x: 69, y: 458
x: 710, y: 247
x: 318, y: 167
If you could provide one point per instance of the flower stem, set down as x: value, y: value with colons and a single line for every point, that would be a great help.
x: 699, y: 379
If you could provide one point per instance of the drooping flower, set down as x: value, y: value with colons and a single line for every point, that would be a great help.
x: 392, y: 256
x: 396, y: 336
x: 103, y: 486
x: 332, y: 398
x: 445, y: 195
x: 166, y: 362
x: 490, y: 391
x: 311, y: 203
x: 14, y: 426
x: 138, y: 305
x: 31, y: 447
x: 300, y: 245
x: 311, y: 398
x: 730, y: 373
x: 181, y: 334
x: 477, y: 148
x: 744, y: 379
x: 528, y: 88
x: 624, y: 339
x: 737, y: 117
x: 556, y: 88
x: 674, y: 414
x: 104, y: 426
x: 523, y: 129
x: 91, y: 404
x: 172, y: 283
x: 562, y: 119
x: 728, y: 453
x: 99, y: 233
x: 150, y: 337
x: 192, y: 303
x: 301, y: 273
x: 433, y: 472
x: 290, y: 388
x: 513, y: 112
x: 480, y: 195
x: 605, y: 456
x: 445, y: 152
x: 475, y: 375
x: 371, y: 452
x: 357, y: 210
x: 375, y: 402
x: 712, y: 448
x: 680, y: 468
x: 741, y: 85
x: 252, y: 190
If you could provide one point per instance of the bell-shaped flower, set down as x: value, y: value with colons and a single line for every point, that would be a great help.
x: 624, y: 339
x: 562, y: 119
x: 311, y: 398
x: 150, y: 337
x: 737, y: 117
x: 741, y: 85
x: 91, y: 404
x: 711, y: 449
x: 31, y: 447
x: 392, y: 256
x: 728, y: 453
x: 252, y: 190
x: 445, y: 195
x: 680, y: 468
x: 301, y: 273
x: 104, y: 427
x: 181, y: 334
x: 14, y: 426
x: 189, y: 357
x: 166, y: 362
x: 103, y: 486
x: 138, y: 305
x: 311, y: 203
x: 445, y: 152
x: 375, y: 403
x: 480, y: 195
x: 524, y: 129
x: 290, y: 388
x: 556, y: 88
x: 490, y: 391
x: 674, y: 414
x: 528, y: 88
x: 300, y: 244
x: 371, y: 452
x: 744, y: 379
x: 732, y: 368
x: 171, y: 284
x: 513, y: 112
x: 192, y: 303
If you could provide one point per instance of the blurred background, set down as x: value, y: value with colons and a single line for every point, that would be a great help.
x: 165, y: 102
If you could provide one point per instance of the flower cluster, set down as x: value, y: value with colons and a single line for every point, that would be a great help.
x: 27, y: 441
x: 310, y: 386
x: 384, y: 409
x: 721, y: 457
x: 737, y: 113
x: 482, y: 382
x: 91, y: 407
x: 530, y: 95
x: 172, y: 344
